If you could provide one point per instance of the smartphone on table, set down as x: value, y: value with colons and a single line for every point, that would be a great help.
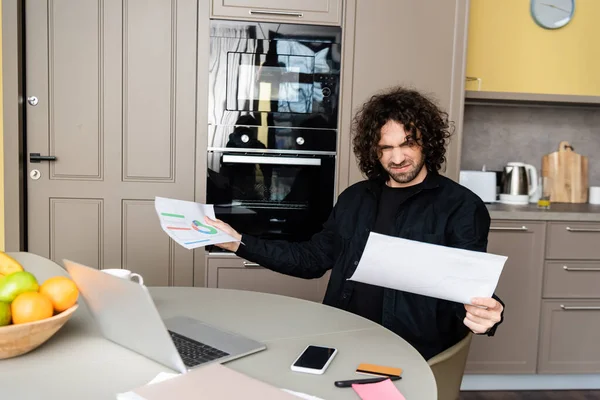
x: 314, y: 359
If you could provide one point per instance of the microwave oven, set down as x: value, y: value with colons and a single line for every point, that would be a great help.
x: 289, y: 74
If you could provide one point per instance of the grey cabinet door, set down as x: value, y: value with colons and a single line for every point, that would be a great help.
x: 236, y: 273
x: 115, y: 83
x: 569, y: 337
x: 322, y: 12
x: 514, y: 347
x: 418, y: 44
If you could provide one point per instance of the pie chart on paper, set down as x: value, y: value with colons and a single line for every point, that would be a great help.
x: 200, y: 227
x: 183, y: 222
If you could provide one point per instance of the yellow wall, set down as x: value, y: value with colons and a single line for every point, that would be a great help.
x: 1, y: 144
x: 511, y: 53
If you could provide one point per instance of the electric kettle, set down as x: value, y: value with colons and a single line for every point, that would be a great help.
x: 519, y: 181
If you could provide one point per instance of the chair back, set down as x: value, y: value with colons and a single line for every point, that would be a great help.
x: 448, y: 368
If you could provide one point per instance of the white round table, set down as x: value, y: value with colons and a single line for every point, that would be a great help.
x: 78, y: 363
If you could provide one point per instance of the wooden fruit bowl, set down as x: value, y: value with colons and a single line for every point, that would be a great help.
x: 19, y: 339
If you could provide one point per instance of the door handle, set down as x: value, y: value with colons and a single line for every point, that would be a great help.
x: 36, y: 158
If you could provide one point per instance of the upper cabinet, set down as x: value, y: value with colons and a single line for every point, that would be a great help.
x: 417, y: 44
x: 321, y: 12
x: 510, y: 51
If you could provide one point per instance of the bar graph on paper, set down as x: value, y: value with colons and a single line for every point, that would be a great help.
x: 184, y: 222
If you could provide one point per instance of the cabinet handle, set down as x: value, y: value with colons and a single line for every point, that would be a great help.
x: 566, y: 268
x: 508, y: 228
x: 251, y: 264
x: 578, y: 308
x: 568, y: 228
x: 282, y: 13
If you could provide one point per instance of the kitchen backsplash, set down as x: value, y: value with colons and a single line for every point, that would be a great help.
x: 496, y: 135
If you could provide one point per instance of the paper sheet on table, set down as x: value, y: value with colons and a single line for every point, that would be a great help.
x: 427, y: 269
x: 384, y: 390
x: 213, y: 381
x: 183, y: 221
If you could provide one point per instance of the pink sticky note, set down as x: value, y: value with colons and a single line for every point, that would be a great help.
x: 384, y: 390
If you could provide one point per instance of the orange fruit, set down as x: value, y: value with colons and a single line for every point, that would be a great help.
x: 61, y: 291
x: 29, y: 307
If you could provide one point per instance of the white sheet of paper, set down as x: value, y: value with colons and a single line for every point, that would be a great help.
x: 427, y: 269
x: 183, y: 221
x: 163, y: 376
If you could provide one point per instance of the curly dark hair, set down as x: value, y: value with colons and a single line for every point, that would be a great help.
x: 410, y: 108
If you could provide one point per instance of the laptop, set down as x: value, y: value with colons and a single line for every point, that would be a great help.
x: 126, y: 314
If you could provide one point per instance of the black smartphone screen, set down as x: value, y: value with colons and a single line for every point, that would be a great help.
x: 314, y: 357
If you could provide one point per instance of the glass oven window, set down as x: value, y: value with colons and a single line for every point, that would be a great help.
x: 264, y: 82
x: 271, y: 196
x: 257, y: 180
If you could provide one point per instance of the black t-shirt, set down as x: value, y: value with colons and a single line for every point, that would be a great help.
x: 367, y: 300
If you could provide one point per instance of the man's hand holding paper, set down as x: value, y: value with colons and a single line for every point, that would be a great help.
x: 484, y: 314
x: 459, y: 275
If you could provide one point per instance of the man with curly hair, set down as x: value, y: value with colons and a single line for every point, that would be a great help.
x: 399, y: 141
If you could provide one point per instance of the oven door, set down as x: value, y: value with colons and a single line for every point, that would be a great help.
x: 273, y: 196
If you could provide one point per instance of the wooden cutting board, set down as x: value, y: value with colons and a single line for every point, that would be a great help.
x: 569, y: 173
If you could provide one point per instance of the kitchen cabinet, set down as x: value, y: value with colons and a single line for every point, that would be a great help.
x: 321, y: 12
x: 571, y: 299
x: 513, y: 349
x: 419, y: 44
x: 569, y: 339
x: 550, y: 286
x: 509, y: 55
x: 231, y: 272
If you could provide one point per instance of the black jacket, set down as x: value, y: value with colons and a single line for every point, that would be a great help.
x: 442, y: 212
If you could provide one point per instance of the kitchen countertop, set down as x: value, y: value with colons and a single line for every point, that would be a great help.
x: 557, y: 212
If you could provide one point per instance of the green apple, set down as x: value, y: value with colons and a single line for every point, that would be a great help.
x: 16, y: 283
x: 5, y: 315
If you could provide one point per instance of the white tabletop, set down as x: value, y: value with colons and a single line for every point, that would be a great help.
x: 78, y: 363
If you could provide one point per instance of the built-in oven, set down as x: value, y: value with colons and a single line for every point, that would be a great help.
x: 272, y: 133
x: 276, y: 193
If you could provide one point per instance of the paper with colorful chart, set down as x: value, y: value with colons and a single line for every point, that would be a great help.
x: 183, y: 221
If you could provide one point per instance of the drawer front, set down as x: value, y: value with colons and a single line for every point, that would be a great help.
x: 570, y: 342
x: 236, y: 273
x: 573, y: 240
x: 572, y: 279
x: 325, y: 12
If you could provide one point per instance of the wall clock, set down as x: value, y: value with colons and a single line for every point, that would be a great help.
x: 552, y: 14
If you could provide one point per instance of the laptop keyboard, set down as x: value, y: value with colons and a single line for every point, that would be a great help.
x: 193, y: 352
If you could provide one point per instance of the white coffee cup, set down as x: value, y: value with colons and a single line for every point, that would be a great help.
x: 594, y: 197
x: 124, y: 274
